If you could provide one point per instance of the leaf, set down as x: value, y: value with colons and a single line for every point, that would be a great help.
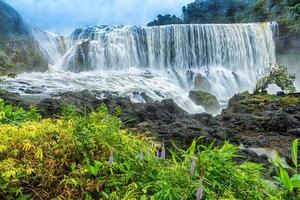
x: 296, y: 180
x: 285, y: 179
x: 73, y: 166
x: 295, y: 152
x: 105, y: 195
x: 2, y: 148
x: 39, y: 154
x: 24, y: 197
x: 93, y: 170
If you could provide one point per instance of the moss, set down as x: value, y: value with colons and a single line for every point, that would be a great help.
x: 289, y: 100
x: 258, y: 101
x: 205, y: 99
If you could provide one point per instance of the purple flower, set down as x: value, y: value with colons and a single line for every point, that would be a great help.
x: 141, y: 157
x: 163, y: 151
x: 157, y: 154
x: 200, y: 193
x: 200, y: 189
x: 111, y: 158
x: 193, y: 166
x: 147, y: 153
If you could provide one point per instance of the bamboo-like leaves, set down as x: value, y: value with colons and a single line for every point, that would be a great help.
x: 295, y: 152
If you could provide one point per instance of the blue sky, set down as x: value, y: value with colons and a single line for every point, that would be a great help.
x: 65, y: 15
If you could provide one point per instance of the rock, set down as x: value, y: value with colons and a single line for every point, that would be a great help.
x: 13, y: 98
x: 262, y: 127
x: 295, y: 132
x: 19, y: 52
x: 201, y: 83
x: 142, y: 96
x: 205, y: 99
x: 272, y: 123
x: 248, y: 155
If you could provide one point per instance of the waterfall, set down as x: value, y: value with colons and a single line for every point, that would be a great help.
x: 178, y: 47
x: 52, y: 46
x: 163, y: 62
x: 227, y: 56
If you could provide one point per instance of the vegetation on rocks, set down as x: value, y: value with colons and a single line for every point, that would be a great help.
x: 260, y: 100
x: 278, y: 75
x: 205, y: 99
x: 93, y: 157
x: 17, y: 45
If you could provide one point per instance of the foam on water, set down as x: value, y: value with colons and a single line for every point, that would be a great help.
x: 161, y: 61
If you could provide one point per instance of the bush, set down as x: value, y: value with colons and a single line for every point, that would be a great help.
x: 14, y: 115
x: 290, y: 184
x: 92, y: 157
x: 279, y: 75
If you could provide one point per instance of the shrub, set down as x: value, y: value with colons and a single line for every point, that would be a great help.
x: 291, y: 184
x: 14, y: 115
x: 92, y: 157
x: 279, y: 75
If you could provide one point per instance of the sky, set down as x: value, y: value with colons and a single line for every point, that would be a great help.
x: 63, y: 16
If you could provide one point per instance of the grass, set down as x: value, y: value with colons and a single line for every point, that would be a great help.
x: 94, y: 157
x: 260, y: 100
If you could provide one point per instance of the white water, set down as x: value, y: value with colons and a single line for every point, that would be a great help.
x: 160, y: 61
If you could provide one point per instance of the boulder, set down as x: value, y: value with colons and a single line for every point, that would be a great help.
x: 201, y: 83
x: 206, y: 100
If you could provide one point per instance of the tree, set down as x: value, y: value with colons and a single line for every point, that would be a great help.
x: 165, y: 19
x: 278, y: 75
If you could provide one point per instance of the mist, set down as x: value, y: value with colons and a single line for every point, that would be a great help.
x: 292, y: 61
x: 65, y: 15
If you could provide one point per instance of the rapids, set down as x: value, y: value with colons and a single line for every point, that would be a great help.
x: 164, y: 62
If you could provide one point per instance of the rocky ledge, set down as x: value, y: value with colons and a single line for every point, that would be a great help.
x: 258, y: 123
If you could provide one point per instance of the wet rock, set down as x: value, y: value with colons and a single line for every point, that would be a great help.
x: 243, y: 122
x: 206, y: 100
x: 14, y: 99
x: 248, y: 155
x: 201, y: 83
x: 143, y: 96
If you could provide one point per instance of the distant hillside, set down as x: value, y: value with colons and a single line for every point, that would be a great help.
x: 18, y: 50
x: 286, y: 13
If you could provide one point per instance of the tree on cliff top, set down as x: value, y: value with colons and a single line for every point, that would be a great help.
x: 278, y: 75
x: 165, y: 19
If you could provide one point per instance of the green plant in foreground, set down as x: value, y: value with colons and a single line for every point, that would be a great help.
x: 92, y: 157
x: 15, y: 115
x: 279, y: 75
x: 290, y: 184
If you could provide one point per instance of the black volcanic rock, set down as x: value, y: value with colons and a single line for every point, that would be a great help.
x: 17, y: 46
x: 256, y: 121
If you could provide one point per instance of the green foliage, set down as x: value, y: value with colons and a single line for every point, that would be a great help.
x: 279, y: 75
x: 286, y: 13
x: 291, y: 184
x: 92, y: 157
x: 6, y: 68
x: 14, y: 115
x: 166, y: 19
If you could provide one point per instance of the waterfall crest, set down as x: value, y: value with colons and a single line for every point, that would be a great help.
x: 226, y: 56
x: 163, y: 62
x: 178, y: 47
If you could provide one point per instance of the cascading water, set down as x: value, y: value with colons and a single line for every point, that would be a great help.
x: 163, y: 62
x: 51, y: 45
